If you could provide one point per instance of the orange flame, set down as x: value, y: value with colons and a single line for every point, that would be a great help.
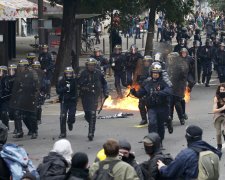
x: 126, y: 103
x: 187, y: 94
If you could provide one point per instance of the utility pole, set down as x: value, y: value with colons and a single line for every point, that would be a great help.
x: 41, y: 23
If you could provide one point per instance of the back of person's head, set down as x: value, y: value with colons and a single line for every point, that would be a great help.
x: 63, y: 147
x: 79, y: 160
x: 111, y: 148
x: 152, y: 143
x: 28, y: 176
x: 3, y: 133
x: 124, y: 144
x: 193, y: 134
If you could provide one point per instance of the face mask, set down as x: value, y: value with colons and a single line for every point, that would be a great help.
x: 149, y: 149
x: 125, y: 159
x: 222, y: 94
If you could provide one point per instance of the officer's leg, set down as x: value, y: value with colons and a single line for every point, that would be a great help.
x: 124, y: 79
x: 143, y: 111
x: 63, y: 117
x: 33, y: 124
x: 199, y: 69
x: 162, y: 114
x: 71, y: 115
x: 179, y: 110
x: 129, y: 77
x: 209, y: 73
x: 204, y: 74
x: 18, y: 124
x: 170, y: 107
x: 183, y: 105
x: 27, y: 122
x: 5, y: 118
x: 152, y: 118
x: 48, y: 83
x: 117, y: 86
x: 39, y: 112
x: 92, y: 123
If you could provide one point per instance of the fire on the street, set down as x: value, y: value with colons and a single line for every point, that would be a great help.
x: 187, y: 94
x: 126, y: 103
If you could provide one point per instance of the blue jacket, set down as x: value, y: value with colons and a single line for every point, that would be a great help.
x: 185, y: 165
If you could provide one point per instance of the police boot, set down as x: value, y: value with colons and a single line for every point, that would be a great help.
x: 219, y: 147
x: 19, y: 133
x: 207, y: 81
x: 92, y: 126
x: 39, y: 112
x: 182, y: 121
x: 62, y: 128
x: 143, y: 117
x: 203, y: 79
x: 34, y: 136
x: 170, y: 125
x: 119, y: 93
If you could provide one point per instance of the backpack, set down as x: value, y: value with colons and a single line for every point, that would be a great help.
x: 102, y: 173
x: 208, y: 166
x: 18, y: 162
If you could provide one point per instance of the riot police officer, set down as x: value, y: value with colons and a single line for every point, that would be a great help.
x: 118, y: 64
x: 132, y: 58
x: 220, y: 60
x: 205, y: 56
x: 182, y: 44
x: 93, y: 87
x: 67, y: 91
x: 31, y: 57
x: 156, y: 92
x: 41, y: 97
x: 24, y: 99
x: 194, y: 53
x: 102, y: 61
x: 47, y: 65
x: 4, y: 96
x: 142, y: 79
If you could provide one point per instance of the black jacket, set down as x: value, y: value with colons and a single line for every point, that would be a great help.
x: 4, y: 170
x: 53, y: 167
x: 77, y: 174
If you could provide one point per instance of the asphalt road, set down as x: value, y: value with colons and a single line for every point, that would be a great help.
x: 197, y: 110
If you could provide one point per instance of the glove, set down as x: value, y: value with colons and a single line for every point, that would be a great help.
x: 133, y: 91
x: 106, y: 95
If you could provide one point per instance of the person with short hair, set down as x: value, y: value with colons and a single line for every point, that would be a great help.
x: 185, y: 165
x: 120, y: 170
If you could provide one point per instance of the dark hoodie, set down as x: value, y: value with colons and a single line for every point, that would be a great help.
x: 4, y: 170
x: 185, y: 165
x: 53, y: 167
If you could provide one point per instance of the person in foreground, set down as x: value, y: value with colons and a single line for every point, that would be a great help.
x: 185, y: 165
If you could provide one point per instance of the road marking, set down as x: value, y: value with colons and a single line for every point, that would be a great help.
x: 141, y: 126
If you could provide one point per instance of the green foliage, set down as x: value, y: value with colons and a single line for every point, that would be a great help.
x: 217, y: 4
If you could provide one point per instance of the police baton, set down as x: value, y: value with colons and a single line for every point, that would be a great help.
x: 102, y: 105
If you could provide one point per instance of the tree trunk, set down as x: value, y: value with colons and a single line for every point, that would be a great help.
x: 67, y: 54
x: 151, y: 29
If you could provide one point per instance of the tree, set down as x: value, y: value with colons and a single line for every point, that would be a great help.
x: 218, y: 4
x: 174, y: 10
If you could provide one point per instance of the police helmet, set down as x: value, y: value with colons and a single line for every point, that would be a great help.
x: 36, y: 64
x: 147, y: 58
x: 222, y: 44
x: 23, y: 62
x: 12, y: 66
x: 12, y: 69
x: 183, y: 50
x: 156, y: 67
x: 69, y: 72
x: 208, y: 42
x: 118, y: 47
x: 3, y: 68
x: 158, y: 57
x: 184, y: 29
x: 44, y: 46
x: 91, y: 61
x: 97, y: 49
x: 31, y: 55
x: 3, y: 133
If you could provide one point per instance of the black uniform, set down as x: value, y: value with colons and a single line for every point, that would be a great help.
x: 131, y: 63
x: 67, y: 91
x: 47, y: 65
x: 220, y: 60
x: 205, y: 56
x: 92, y: 85
x: 178, y: 47
x: 102, y: 61
x: 194, y: 51
x: 24, y: 101
x: 156, y: 93
x: 118, y: 64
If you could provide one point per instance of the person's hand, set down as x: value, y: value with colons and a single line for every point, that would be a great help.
x: 106, y: 95
x: 160, y: 164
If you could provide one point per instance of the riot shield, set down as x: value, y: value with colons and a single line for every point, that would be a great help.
x: 177, y: 69
x: 163, y: 48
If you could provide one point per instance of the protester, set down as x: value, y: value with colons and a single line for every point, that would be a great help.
x: 58, y: 160
x: 129, y: 157
x: 185, y: 165
x: 117, y: 168
x: 219, y: 116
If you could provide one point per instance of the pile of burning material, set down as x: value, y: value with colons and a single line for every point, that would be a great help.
x: 115, y: 116
x: 128, y: 102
